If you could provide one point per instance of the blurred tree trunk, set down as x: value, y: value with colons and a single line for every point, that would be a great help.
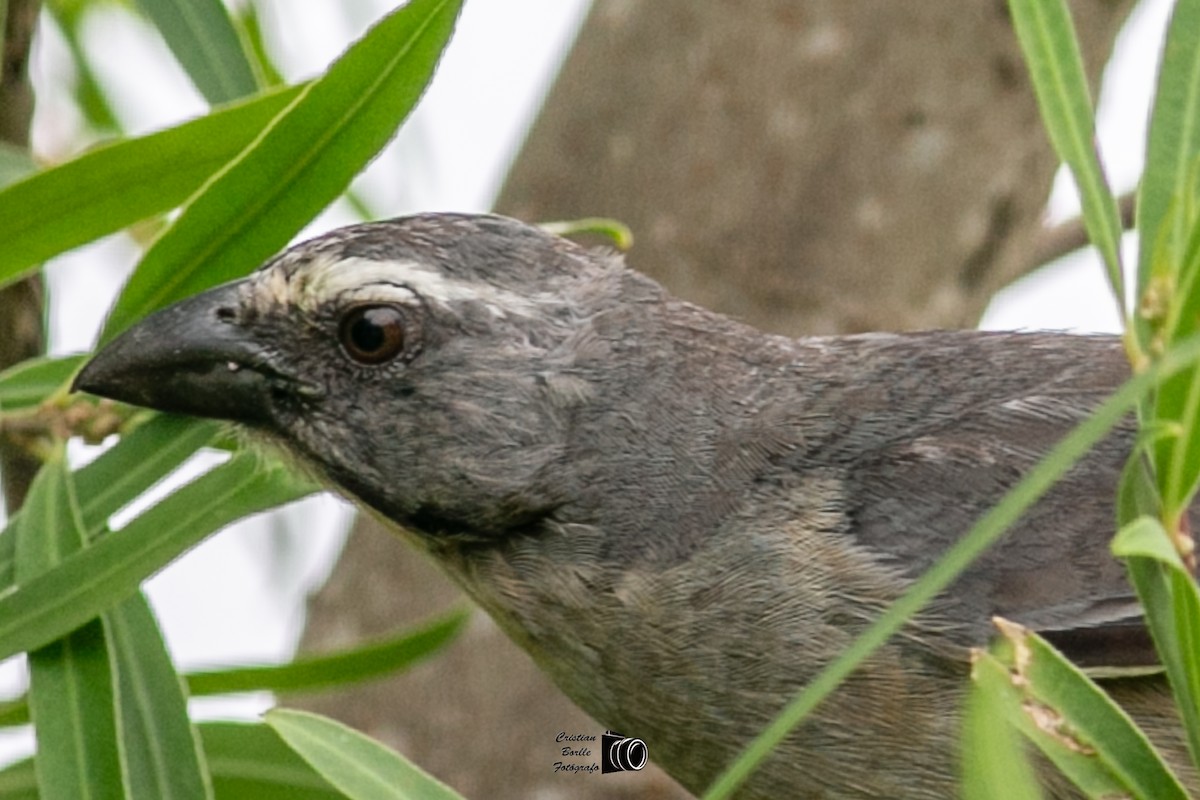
x: 809, y: 167
x: 21, y: 304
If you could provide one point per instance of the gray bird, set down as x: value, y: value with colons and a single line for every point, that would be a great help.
x: 680, y: 518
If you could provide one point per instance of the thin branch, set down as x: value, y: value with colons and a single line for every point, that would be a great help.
x: 21, y: 305
x: 1069, y: 236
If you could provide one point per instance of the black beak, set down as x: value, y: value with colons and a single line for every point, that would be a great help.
x: 194, y: 357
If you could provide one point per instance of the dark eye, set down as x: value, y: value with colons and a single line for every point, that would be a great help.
x: 372, y: 334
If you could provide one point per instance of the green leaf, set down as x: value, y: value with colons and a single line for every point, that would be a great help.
x: 1077, y: 725
x: 123, y: 472
x: 1137, y: 492
x: 300, y: 164
x: 70, y: 680
x: 114, y: 186
x: 1176, y: 404
x: 1176, y: 269
x: 1016, y: 710
x: 1177, y: 457
x: 938, y: 577
x: 1144, y: 537
x: 160, y: 748
x: 1172, y: 604
x: 18, y: 781
x: 250, y: 762
x: 614, y: 230
x: 141, y: 459
x: 89, y: 96
x: 995, y: 766
x: 27, y: 384
x: 1169, y: 309
x: 1056, y: 67
x: 50, y: 525
x: 250, y: 23
x: 360, y: 767
x: 202, y: 36
x: 90, y: 582
x: 1172, y: 144
x: 313, y: 673
x: 71, y: 701
x: 13, y: 713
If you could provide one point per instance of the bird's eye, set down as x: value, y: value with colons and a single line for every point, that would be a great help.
x: 372, y: 334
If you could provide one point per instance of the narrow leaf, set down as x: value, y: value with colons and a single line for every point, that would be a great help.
x: 366, y: 661
x: 1176, y: 266
x: 1035, y: 720
x: 123, y: 472
x: 18, y: 781
x: 137, y: 462
x: 1176, y: 404
x: 1137, y: 492
x: 1056, y: 67
x: 352, y: 665
x: 1066, y: 706
x: 70, y: 680
x: 301, y: 163
x: 1172, y: 604
x: 362, y: 768
x: 1177, y: 457
x: 90, y: 582
x: 202, y: 36
x: 248, y: 17
x: 27, y: 384
x: 615, y: 231
x: 250, y: 762
x: 114, y: 186
x: 159, y: 746
x: 90, y: 98
x: 1172, y: 143
x: 71, y: 702
x: 13, y: 713
x: 995, y: 766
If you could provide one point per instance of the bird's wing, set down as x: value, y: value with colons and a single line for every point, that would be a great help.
x: 912, y: 498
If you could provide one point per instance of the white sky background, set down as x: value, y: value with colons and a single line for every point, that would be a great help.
x: 1072, y: 294
x: 238, y: 598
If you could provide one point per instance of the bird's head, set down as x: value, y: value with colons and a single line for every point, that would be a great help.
x: 428, y: 365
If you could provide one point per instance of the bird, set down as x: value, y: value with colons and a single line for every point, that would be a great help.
x: 680, y: 518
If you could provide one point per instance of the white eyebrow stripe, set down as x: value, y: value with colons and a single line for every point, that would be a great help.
x: 376, y: 292
x: 326, y: 277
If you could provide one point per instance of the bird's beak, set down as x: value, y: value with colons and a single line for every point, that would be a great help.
x: 190, y: 358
